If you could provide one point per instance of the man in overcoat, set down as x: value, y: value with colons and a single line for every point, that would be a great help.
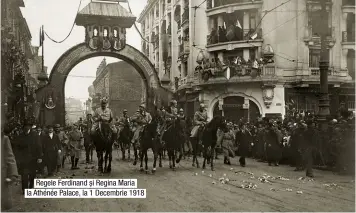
x: 8, y: 170
x: 51, y: 149
x: 28, y: 152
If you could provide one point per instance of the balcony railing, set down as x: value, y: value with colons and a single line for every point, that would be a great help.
x: 217, y: 3
x: 348, y: 36
x: 348, y: 2
x: 225, y: 73
x: 217, y: 37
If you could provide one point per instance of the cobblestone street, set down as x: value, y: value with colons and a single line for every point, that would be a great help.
x: 191, y: 189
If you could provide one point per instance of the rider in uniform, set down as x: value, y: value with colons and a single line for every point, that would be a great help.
x: 200, y: 120
x: 103, y: 114
x: 64, y: 144
x: 141, y: 118
x: 125, y: 119
x: 76, y: 142
x: 171, y: 114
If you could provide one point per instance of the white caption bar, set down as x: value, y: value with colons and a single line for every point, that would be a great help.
x: 85, y: 193
x: 85, y: 183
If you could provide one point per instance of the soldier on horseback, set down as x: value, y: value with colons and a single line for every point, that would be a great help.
x: 171, y: 114
x: 123, y: 121
x: 200, y: 120
x: 102, y: 115
x: 141, y: 118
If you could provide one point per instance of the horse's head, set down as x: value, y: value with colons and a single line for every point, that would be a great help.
x: 150, y: 130
x: 106, y: 131
x: 218, y: 122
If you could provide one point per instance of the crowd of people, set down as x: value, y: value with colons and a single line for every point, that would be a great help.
x: 296, y: 140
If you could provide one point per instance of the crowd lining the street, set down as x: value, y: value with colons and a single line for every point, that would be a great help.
x: 295, y: 140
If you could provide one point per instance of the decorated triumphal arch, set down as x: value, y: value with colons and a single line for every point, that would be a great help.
x: 105, y: 35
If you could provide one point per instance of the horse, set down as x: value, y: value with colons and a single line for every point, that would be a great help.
x: 174, y: 142
x: 124, y: 139
x: 103, y: 141
x: 149, y: 139
x: 208, y: 138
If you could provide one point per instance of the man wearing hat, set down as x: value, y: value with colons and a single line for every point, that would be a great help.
x: 103, y: 114
x: 124, y: 120
x: 200, y: 120
x: 76, y: 142
x: 183, y: 123
x: 28, y: 153
x: 169, y: 115
x: 51, y: 149
x: 64, y: 145
x: 38, y: 135
x: 142, y: 118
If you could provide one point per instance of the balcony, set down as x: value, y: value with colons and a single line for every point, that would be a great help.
x: 229, y: 6
x: 312, y: 75
x: 348, y: 6
x: 220, y: 42
x: 348, y: 39
x: 206, y: 75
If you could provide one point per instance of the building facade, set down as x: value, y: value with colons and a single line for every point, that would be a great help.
x: 20, y: 64
x: 121, y: 84
x: 245, y: 58
x: 74, y: 110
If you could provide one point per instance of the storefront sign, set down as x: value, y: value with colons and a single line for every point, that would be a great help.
x: 232, y: 106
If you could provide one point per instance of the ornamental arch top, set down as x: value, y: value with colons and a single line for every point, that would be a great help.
x: 112, y: 43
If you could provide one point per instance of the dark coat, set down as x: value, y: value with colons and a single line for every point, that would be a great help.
x: 50, y: 146
x: 273, y: 148
x: 8, y: 170
x: 243, y: 140
x: 27, y: 151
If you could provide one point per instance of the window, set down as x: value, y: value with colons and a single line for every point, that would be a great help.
x: 95, y: 33
x: 253, y: 20
x: 314, y: 57
x: 106, y: 32
x: 315, y: 18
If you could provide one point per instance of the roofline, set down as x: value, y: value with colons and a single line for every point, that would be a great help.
x: 145, y: 10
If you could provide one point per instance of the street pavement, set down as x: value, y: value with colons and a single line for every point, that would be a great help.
x: 256, y: 187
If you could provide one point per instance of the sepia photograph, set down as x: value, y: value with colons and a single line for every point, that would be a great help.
x: 178, y: 105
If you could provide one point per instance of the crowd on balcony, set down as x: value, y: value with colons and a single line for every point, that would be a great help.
x: 238, y: 67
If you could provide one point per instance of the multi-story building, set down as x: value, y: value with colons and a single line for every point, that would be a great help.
x: 20, y: 63
x: 121, y: 84
x: 243, y: 58
x: 74, y: 110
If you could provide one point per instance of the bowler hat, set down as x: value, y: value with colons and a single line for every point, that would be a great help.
x: 57, y: 126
